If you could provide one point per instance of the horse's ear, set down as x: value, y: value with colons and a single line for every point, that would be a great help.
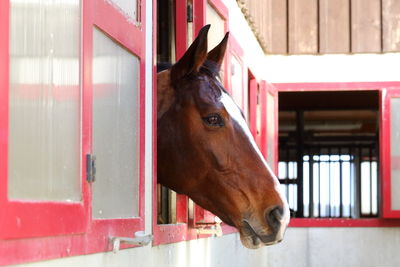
x: 193, y: 58
x: 217, y: 54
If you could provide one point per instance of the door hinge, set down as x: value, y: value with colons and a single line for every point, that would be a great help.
x: 90, y: 168
x: 189, y: 13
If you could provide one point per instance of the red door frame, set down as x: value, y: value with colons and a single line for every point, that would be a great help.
x: 78, y: 234
x: 384, y: 142
x: 200, y: 8
x: 271, y: 90
x: 264, y: 122
x: 170, y: 233
x: 110, y: 20
x: 253, y: 86
x: 200, y: 19
x: 385, y: 150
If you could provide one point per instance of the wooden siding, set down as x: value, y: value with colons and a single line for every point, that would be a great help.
x: 391, y: 25
x: 303, y: 26
x: 324, y: 26
x: 334, y: 35
x: 365, y: 26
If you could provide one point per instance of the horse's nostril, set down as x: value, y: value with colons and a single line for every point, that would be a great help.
x: 274, y: 217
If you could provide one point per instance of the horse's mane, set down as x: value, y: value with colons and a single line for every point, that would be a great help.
x: 211, y: 68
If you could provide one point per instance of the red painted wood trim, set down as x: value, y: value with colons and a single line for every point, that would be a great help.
x: 385, y: 151
x: 93, y: 236
x: 199, y: 16
x: 387, y: 89
x: 264, y: 123
x: 110, y: 20
x: 221, y: 9
x: 180, y: 28
x: 340, y: 86
x: 199, y: 12
x: 271, y: 90
x: 119, y: 27
x: 29, y: 218
x: 4, y: 85
x: 182, y: 208
x: 181, y: 45
x: 344, y: 222
x: 164, y: 234
x: 276, y: 139
x: 253, y: 106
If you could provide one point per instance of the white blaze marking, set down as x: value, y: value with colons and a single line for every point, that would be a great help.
x: 236, y: 115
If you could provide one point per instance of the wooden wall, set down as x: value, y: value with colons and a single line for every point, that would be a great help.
x: 324, y: 26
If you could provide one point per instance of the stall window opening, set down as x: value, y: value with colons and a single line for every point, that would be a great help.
x: 329, y: 153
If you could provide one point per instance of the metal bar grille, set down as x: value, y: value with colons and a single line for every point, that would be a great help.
x: 338, y: 182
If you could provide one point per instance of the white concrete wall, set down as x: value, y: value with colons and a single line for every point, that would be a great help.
x: 334, y: 247
x: 207, y: 252
x: 302, y: 247
x: 332, y: 68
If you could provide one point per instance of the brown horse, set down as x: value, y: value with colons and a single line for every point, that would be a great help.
x: 205, y: 149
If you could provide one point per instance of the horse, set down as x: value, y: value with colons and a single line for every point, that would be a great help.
x: 205, y: 149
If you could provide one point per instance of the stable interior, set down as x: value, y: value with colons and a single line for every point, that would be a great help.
x: 329, y: 153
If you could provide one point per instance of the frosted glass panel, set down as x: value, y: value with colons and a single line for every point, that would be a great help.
x: 129, y: 7
x: 44, y: 102
x: 395, y: 152
x: 115, y: 129
x: 237, y: 82
x: 270, y: 130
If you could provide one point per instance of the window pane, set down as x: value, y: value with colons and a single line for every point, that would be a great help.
x: 129, y: 7
x: 237, y: 82
x: 115, y: 129
x: 44, y: 111
x: 395, y: 152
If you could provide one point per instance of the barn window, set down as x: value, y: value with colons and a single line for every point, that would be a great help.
x: 216, y: 16
x: 173, y: 27
x: 178, y: 23
x: 40, y: 157
x: 166, y: 54
x: 72, y: 87
x: 117, y: 117
x: 329, y: 153
x: 391, y: 154
x: 215, y: 13
x: 238, y: 85
x: 115, y: 129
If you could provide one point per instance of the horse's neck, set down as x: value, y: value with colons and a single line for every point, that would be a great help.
x: 165, y: 93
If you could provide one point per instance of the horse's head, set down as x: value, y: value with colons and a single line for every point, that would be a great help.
x: 206, y: 150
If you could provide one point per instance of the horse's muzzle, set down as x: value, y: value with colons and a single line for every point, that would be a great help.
x: 274, y: 217
x: 276, y: 220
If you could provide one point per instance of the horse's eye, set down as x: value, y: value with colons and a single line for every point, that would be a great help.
x: 214, y: 120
